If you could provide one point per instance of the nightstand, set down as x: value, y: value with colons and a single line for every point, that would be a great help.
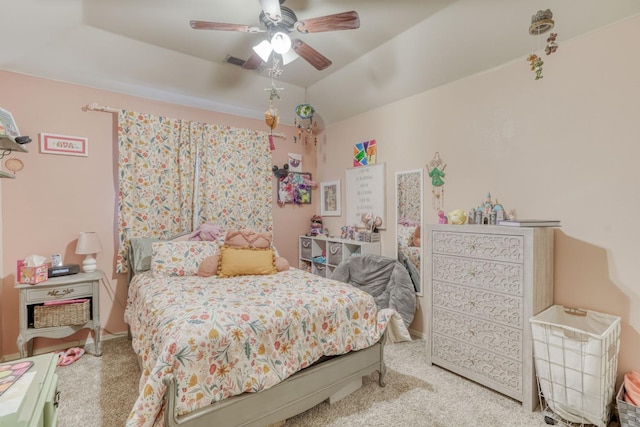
x: 75, y: 286
x: 33, y: 399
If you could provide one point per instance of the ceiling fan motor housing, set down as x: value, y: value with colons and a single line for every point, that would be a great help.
x: 289, y: 18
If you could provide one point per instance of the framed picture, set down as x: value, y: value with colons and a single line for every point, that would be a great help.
x: 64, y: 144
x: 330, y: 198
x: 295, y: 187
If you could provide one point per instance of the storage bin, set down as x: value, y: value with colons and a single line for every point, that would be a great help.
x: 629, y: 414
x: 305, y: 248
x: 576, y: 357
x: 335, y: 253
x: 47, y: 316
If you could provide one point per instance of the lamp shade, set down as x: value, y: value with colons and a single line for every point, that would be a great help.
x: 88, y: 243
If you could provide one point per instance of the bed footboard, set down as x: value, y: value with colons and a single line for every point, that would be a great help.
x: 332, y: 379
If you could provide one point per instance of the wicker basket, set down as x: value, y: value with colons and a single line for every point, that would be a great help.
x: 47, y: 316
x: 629, y: 414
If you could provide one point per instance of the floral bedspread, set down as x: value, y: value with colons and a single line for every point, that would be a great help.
x: 413, y: 254
x: 224, y: 337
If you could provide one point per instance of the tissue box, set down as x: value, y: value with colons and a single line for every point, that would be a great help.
x: 33, y: 275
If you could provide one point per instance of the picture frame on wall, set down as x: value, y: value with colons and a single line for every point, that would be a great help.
x: 295, y: 187
x: 64, y: 144
x: 330, y: 198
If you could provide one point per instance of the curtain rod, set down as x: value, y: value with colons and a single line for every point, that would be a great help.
x: 96, y: 107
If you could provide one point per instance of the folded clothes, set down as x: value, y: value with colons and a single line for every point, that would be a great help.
x: 69, y: 356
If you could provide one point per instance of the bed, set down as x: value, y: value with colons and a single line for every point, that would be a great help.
x: 248, y: 349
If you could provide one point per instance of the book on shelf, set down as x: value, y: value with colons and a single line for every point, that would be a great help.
x: 530, y: 223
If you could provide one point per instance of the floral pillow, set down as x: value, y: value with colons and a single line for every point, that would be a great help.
x: 180, y: 258
x: 405, y: 235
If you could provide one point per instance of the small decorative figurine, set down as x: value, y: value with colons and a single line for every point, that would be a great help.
x: 442, y: 218
x: 536, y: 65
x: 552, y: 46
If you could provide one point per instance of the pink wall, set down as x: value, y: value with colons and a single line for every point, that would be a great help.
x: 563, y: 147
x: 55, y: 197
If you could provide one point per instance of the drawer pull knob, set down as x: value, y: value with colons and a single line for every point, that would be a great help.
x: 58, y: 292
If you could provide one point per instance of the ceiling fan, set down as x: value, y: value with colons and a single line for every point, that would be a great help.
x: 278, y: 21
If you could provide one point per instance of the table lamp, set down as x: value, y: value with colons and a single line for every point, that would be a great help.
x: 88, y: 244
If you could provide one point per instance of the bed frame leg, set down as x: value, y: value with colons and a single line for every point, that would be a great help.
x: 383, y: 367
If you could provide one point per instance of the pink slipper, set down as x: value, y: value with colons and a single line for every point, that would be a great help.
x: 71, y: 355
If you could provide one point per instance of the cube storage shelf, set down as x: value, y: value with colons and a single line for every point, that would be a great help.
x: 321, y: 255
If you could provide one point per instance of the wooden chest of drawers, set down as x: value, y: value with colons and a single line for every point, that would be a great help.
x: 484, y: 283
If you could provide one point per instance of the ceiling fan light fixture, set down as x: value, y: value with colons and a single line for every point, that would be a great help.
x: 289, y: 56
x: 281, y: 43
x: 263, y: 49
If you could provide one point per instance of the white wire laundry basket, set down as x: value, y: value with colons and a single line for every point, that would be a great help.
x: 576, y: 357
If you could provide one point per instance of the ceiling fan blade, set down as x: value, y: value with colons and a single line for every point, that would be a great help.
x: 253, y: 62
x: 339, y: 21
x: 221, y: 26
x: 271, y: 9
x: 312, y: 56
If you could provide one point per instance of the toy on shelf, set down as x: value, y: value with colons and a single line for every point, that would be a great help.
x: 489, y: 212
x: 316, y: 226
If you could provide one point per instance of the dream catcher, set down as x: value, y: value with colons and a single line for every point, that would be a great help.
x: 306, y: 126
x: 436, y: 172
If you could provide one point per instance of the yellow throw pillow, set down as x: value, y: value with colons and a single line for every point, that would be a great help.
x: 245, y: 261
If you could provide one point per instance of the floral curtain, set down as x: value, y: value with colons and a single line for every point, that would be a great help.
x: 233, y: 189
x: 160, y: 160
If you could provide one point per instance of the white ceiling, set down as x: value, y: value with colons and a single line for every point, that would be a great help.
x: 147, y: 48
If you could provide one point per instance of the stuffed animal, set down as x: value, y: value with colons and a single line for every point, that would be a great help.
x: 416, y: 237
x: 207, y: 231
x: 316, y: 225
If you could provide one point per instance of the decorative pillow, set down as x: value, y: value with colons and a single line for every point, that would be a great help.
x: 282, y: 264
x: 245, y: 261
x: 247, y: 238
x: 209, y: 266
x: 405, y: 235
x: 180, y: 258
x: 140, y: 251
x: 416, y: 237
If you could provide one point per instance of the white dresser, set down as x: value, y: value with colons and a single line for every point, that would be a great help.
x: 484, y: 283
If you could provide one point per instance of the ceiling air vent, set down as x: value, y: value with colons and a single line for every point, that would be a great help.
x: 235, y: 61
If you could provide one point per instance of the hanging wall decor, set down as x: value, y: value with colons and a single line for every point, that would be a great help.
x: 364, y: 153
x: 295, y: 187
x: 436, y: 172
x: 304, y: 123
x: 295, y: 162
x: 541, y: 22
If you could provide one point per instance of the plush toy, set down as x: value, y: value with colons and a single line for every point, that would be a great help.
x: 207, y: 231
x: 457, y: 217
x: 442, y: 218
x: 316, y: 225
x: 241, y: 238
x: 416, y: 237
x: 371, y: 222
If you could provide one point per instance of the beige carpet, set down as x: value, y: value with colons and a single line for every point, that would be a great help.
x: 100, y: 391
